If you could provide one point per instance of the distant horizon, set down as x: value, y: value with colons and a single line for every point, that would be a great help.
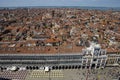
x: 72, y: 7
x: 90, y: 3
x: 58, y: 6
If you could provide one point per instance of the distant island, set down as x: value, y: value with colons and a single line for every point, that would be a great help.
x: 78, y: 7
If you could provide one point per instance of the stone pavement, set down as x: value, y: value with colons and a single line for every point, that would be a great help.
x: 111, y: 73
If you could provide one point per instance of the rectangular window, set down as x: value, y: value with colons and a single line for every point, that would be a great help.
x: 95, y: 59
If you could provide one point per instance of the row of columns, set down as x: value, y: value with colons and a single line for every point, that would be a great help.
x: 67, y: 67
x: 94, y: 64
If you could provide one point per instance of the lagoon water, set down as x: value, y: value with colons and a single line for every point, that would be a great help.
x: 77, y: 7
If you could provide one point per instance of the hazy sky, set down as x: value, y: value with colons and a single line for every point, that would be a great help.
x: 99, y: 3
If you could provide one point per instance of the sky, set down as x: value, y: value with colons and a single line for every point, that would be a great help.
x: 92, y: 3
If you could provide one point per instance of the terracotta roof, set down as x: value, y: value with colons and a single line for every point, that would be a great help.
x: 52, y: 40
x: 112, y: 50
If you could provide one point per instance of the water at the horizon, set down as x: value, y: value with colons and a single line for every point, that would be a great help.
x: 78, y: 7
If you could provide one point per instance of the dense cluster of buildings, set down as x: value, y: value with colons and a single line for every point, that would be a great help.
x: 57, y: 32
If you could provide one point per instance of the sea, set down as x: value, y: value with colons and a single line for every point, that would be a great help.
x: 77, y: 7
